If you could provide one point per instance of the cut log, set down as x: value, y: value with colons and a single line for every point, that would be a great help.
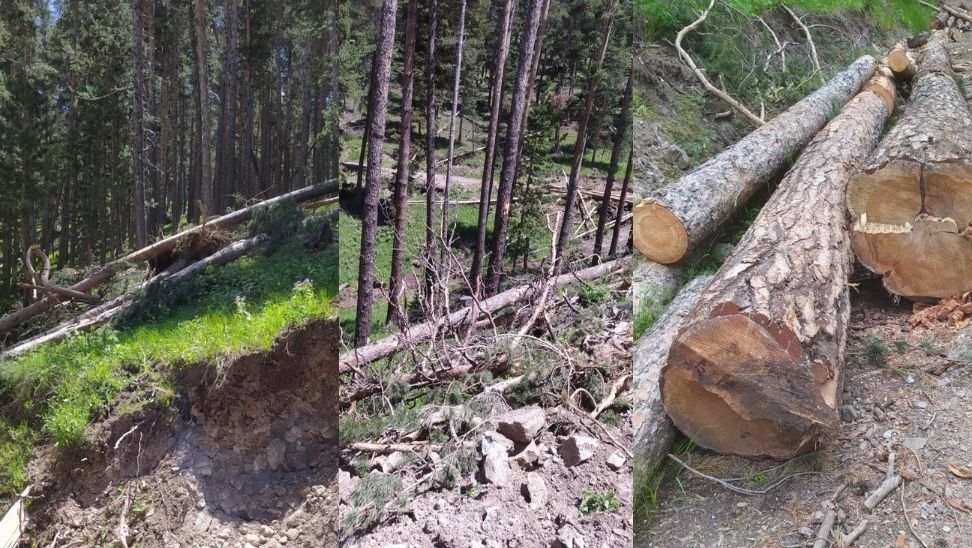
x: 912, y: 206
x: 676, y: 218
x: 655, y: 282
x: 653, y: 430
x: 901, y: 63
x: 884, y: 87
x: 101, y: 315
x: 108, y: 271
x: 14, y: 522
x: 418, y: 334
x: 757, y: 370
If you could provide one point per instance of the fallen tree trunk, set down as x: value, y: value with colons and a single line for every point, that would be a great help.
x: 912, y: 206
x: 757, y: 370
x: 101, y: 315
x: 901, y: 63
x: 653, y: 430
x: 676, y: 218
x: 654, y: 283
x: 421, y: 333
x: 109, y: 270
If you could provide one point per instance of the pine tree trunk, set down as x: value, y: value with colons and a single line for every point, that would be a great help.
x: 225, y: 177
x: 757, y: 370
x: 514, y: 134
x: 400, y: 195
x: 653, y: 430
x: 683, y: 214
x: 202, y: 108
x: 912, y: 207
x: 504, y: 28
x: 534, y: 67
x: 444, y: 224
x: 366, y: 137
x: 622, y: 202
x: 138, y: 124
x: 620, y: 134
x: 581, y: 144
x: 430, y: 131
x: 369, y: 221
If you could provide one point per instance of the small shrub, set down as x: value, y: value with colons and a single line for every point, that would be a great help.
x: 590, y: 295
x: 280, y: 222
x: 593, y: 503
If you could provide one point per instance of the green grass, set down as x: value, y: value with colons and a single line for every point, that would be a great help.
x: 593, y: 503
x: 649, y: 479
x: 239, y: 308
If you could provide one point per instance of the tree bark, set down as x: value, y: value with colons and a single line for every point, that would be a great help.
x: 202, y: 108
x: 444, y: 224
x: 369, y: 221
x: 757, y: 370
x: 430, y: 131
x: 418, y: 334
x: 138, y: 124
x: 911, y: 207
x: 514, y: 134
x: 504, y: 26
x: 396, y: 283
x: 653, y: 430
x: 582, y: 127
x: 679, y: 216
x: 226, y: 151
x: 901, y: 64
x: 620, y: 134
x: 622, y: 203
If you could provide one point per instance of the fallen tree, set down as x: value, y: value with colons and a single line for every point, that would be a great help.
x: 102, y: 314
x: 676, y: 218
x: 653, y: 430
x: 109, y: 270
x: 417, y: 334
x: 757, y: 370
x: 901, y: 63
x: 912, y: 206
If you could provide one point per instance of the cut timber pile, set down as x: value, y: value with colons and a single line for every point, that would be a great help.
x: 653, y: 430
x: 757, y: 370
x: 912, y: 205
x: 686, y: 212
x: 901, y: 63
x: 109, y: 270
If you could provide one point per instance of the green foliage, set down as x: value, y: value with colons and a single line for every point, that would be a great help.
x: 593, y: 503
x: 16, y: 443
x: 649, y: 478
x: 280, y: 222
x: 590, y: 295
x: 375, y: 496
x: 875, y: 350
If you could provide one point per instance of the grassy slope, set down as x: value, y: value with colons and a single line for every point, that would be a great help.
x: 51, y: 394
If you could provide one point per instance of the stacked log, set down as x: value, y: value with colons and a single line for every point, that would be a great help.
x: 757, y: 369
x: 901, y: 63
x: 911, y: 207
x: 668, y: 224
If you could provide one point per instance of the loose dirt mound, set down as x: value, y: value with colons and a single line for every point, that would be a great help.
x: 247, y: 453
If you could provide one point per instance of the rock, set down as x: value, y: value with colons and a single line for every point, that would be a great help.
x: 915, y: 444
x: 878, y: 414
x: 253, y: 539
x: 393, y: 462
x: 817, y: 518
x: 346, y: 485
x: 536, y: 491
x: 276, y: 453
x: 805, y: 532
x: 496, y: 467
x: 848, y: 413
x: 529, y: 456
x: 522, y: 425
x: 569, y: 537
x: 921, y: 404
x: 292, y: 533
x: 577, y: 449
x: 887, y: 434
x: 616, y: 461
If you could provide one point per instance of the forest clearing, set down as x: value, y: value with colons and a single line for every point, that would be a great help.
x: 169, y: 369
x: 758, y: 335
x: 484, y: 275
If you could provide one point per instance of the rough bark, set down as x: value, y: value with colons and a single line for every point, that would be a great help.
x: 138, y: 124
x: 489, y: 163
x: 757, y: 370
x: 911, y: 207
x: 444, y: 222
x: 620, y: 133
x: 109, y: 270
x: 677, y: 217
x: 514, y: 133
x: 622, y: 202
x: 369, y: 221
x: 418, y: 334
x: 430, y: 131
x: 202, y: 109
x: 399, y: 196
x: 653, y: 430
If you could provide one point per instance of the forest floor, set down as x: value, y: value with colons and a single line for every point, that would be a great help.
x: 907, y: 391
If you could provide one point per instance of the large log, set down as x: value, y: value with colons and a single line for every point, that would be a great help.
x: 102, y: 314
x: 677, y: 217
x: 109, y: 270
x: 901, y: 63
x: 418, y: 334
x: 912, y: 205
x: 757, y: 370
x: 653, y: 430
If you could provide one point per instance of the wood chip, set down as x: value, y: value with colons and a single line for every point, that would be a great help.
x: 960, y: 471
x: 957, y: 504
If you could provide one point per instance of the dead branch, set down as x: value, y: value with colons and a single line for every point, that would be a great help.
x: 780, y: 48
x: 846, y: 540
x: 823, y: 534
x: 392, y: 447
x: 618, y: 387
x: 806, y: 32
x: 701, y: 76
x: 891, y: 482
x: 904, y: 510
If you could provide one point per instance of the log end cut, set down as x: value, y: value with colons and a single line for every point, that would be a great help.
x: 658, y: 234
x: 739, y: 384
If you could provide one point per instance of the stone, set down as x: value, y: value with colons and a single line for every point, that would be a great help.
x: 915, y: 444
x: 536, y: 491
x: 529, y: 456
x: 805, y: 532
x: 848, y: 413
x: 522, y: 425
x: 616, y: 461
x: 394, y: 461
x: 276, y: 453
x: 577, y: 449
x: 817, y: 518
x: 346, y: 485
x: 887, y: 434
x: 253, y: 539
x: 569, y: 537
x: 496, y: 467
